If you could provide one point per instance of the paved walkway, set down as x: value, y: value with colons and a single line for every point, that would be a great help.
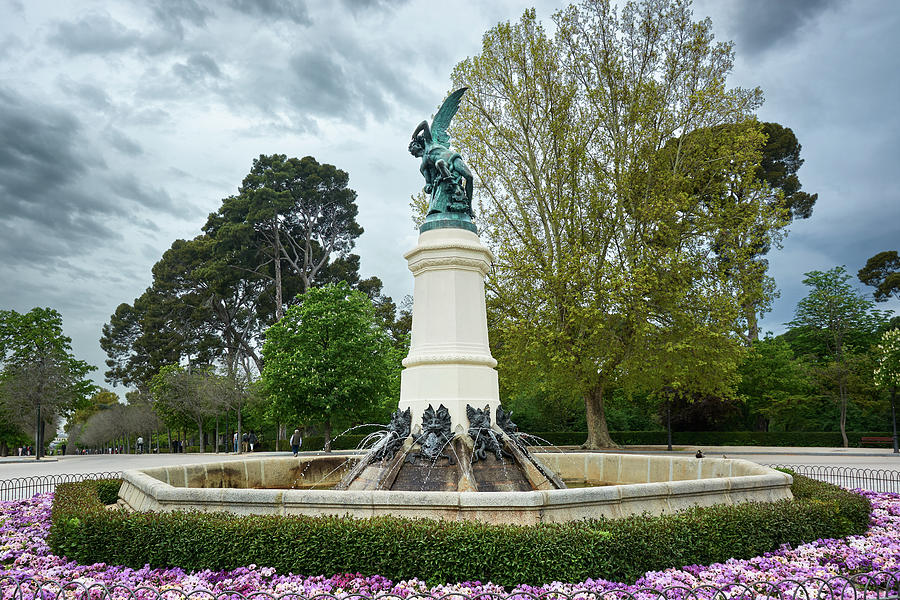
x: 871, y: 458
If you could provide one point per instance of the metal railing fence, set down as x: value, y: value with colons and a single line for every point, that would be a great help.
x: 876, y: 480
x: 864, y: 586
x: 19, y: 488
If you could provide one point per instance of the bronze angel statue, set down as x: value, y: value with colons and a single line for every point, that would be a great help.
x: 447, y: 178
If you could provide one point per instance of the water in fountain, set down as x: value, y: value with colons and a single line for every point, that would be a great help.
x: 403, y: 460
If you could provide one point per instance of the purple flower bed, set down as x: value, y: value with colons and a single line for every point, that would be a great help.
x: 24, y: 554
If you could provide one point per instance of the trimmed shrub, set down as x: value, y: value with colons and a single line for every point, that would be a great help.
x: 107, y: 490
x: 446, y: 551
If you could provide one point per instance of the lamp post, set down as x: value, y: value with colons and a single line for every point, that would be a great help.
x: 38, y: 442
x: 894, y: 418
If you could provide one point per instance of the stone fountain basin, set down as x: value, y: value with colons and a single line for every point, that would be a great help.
x: 618, y: 485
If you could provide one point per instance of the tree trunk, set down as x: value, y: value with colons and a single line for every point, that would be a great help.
x: 200, y: 429
x: 843, y: 392
x: 279, y: 307
x: 752, y: 323
x: 217, y: 434
x: 598, y: 433
x: 328, y: 435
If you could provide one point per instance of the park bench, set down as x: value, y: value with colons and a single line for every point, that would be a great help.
x: 875, y: 440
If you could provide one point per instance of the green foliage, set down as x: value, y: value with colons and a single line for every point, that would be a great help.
x: 329, y: 360
x: 774, y: 384
x: 102, y: 400
x: 292, y: 226
x: 778, y: 168
x: 174, y: 319
x: 107, y: 490
x: 882, y: 272
x: 835, y: 325
x: 834, y: 318
x: 887, y: 371
x: 441, y: 551
x: 40, y: 375
x: 605, y: 236
x: 708, y: 439
x: 293, y: 221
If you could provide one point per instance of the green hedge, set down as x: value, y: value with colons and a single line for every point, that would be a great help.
x: 448, y: 551
x: 828, y: 439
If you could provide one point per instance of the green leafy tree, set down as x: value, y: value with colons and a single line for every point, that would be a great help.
x: 226, y: 308
x: 592, y: 150
x: 163, y: 326
x: 41, y: 380
x: 329, y: 360
x: 290, y: 213
x: 198, y: 309
x: 777, y: 188
x: 887, y: 369
x: 836, y: 324
x: 782, y: 195
x: 775, y: 386
x: 101, y: 400
x: 778, y: 168
x: 882, y: 272
x: 191, y: 394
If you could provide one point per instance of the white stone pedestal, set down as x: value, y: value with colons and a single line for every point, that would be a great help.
x: 449, y: 360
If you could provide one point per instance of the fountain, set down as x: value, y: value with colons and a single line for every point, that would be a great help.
x: 443, y: 456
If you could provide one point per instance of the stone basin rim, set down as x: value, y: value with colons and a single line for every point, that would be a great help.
x: 746, y: 481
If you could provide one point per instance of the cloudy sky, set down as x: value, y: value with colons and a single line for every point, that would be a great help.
x: 123, y: 124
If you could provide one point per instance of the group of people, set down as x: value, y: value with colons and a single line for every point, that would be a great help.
x: 248, y: 441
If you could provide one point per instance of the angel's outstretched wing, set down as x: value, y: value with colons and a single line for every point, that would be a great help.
x: 444, y: 115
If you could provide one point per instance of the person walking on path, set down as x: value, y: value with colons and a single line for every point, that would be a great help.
x: 252, y: 440
x: 296, y: 442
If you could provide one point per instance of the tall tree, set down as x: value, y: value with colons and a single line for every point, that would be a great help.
x: 163, y: 326
x: 782, y: 195
x: 604, y: 241
x: 840, y: 320
x: 199, y: 308
x: 774, y: 385
x: 294, y: 213
x: 887, y: 372
x: 229, y: 307
x: 187, y: 393
x: 329, y: 359
x: 41, y: 380
x: 882, y: 272
x: 778, y: 168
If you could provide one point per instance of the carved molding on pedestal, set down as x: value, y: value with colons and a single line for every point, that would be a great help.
x: 450, y: 262
x: 415, y: 360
